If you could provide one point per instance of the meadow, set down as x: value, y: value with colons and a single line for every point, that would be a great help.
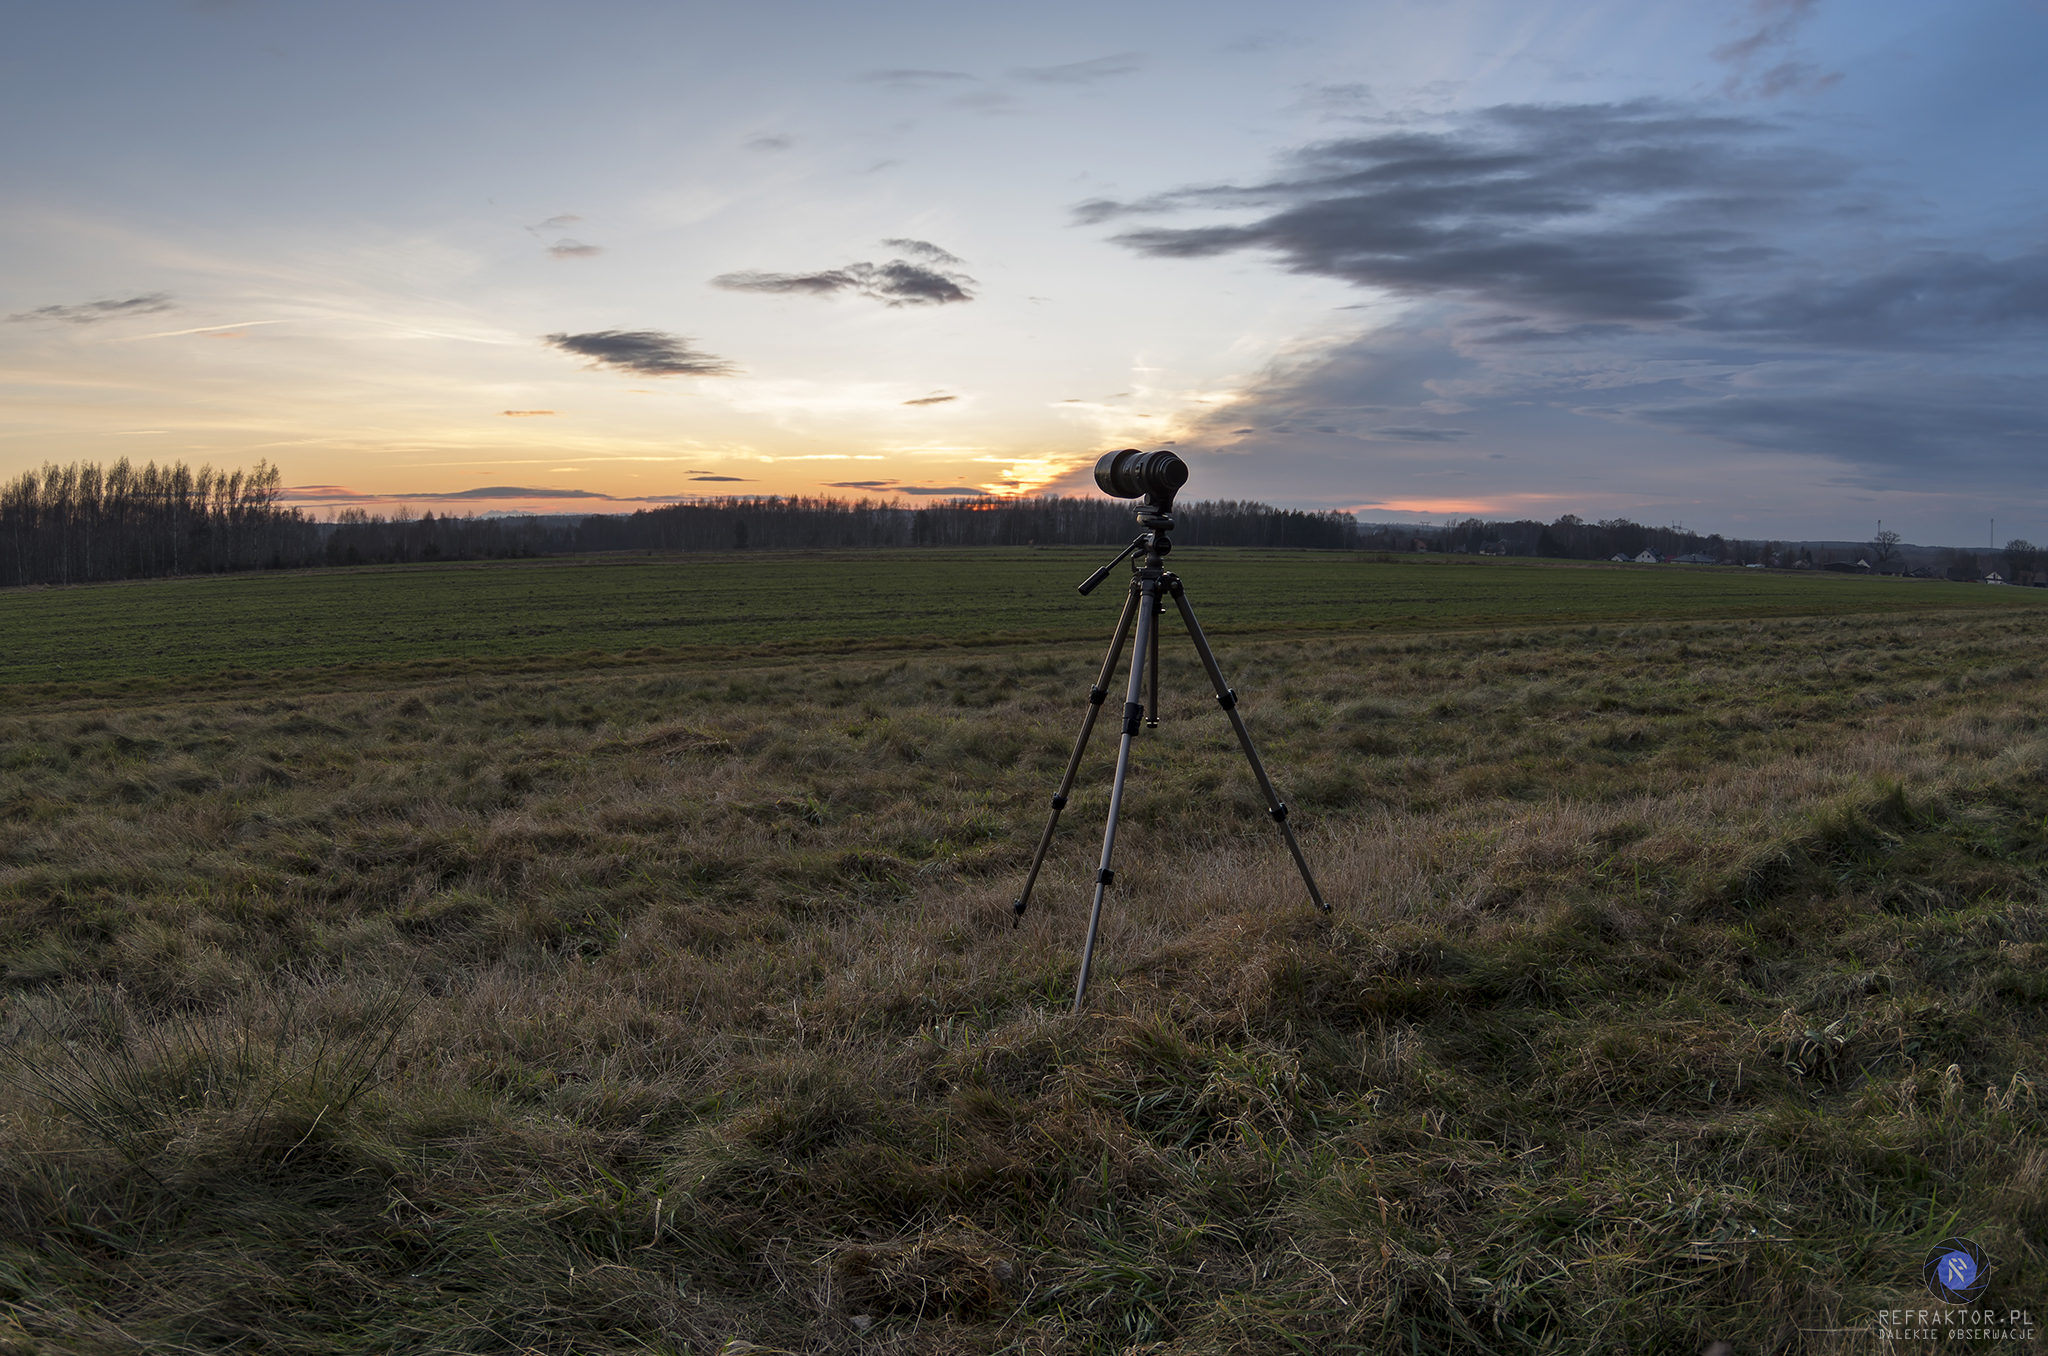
x: 614, y: 988
x: 536, y: 614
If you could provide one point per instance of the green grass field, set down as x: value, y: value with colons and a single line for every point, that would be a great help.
x: 433, y: 983
x: 486, y: 614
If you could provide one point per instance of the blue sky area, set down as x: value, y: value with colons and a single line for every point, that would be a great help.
x: 1773, y: 268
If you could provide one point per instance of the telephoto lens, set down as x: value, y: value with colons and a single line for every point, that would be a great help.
x: 1152, y: 476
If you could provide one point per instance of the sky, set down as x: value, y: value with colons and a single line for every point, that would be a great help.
x: 1768, y: 268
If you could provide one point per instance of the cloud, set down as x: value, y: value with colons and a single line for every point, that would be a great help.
x: 1754, y: 72
x: 931, y: 400
x: 1081, y: 72
x: 337, y: 495
x: 524, y: 414
x: 702, y: 477
x: 1648, y: 288
x: 1928, y: 297
x: 1899, y: 427
x: 898, y: 282
x: 769, y: 141
x: 1613, y: 212
x: 923, y: 249
x: 896, y: 487
x: 1411, y: 434
x: 557, y: 223
x: 648, y: 353
x: 574, y: 249
x: 91, y: 312
x: 513, y: 492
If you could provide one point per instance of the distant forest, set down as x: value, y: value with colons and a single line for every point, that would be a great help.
x: 83, y: 522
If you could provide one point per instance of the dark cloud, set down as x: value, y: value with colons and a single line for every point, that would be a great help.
x: 512, y: 492
x: 557, y: 223
x: 858, y: 484
x: 1615, y: 212
x: 719, y: 477
x: 775, y: 141
x: 923, y: 249
x: 1081, y: 72
x: 898, y: 282
x: 574, y: 249
x: 1610, y: 291
x: 931, y: 400
x: 647, y: 353
x: 90, y: 312
x: 1928, y: 298
x: 1898, y: 426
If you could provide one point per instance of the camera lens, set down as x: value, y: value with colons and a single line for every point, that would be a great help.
x: 1131, y: 474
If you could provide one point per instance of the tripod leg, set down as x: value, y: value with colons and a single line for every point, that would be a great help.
x: 1152, y: 707
x: 1228, y: 700
x: 1095, y: 697
x: 1134, y: 715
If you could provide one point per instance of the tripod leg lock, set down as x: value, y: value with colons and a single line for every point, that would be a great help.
x: 1228, y: 699
x: 1104, y: 876
x: 1134, y: 716
x: 1096, y: 694
x: 1279, y: 814
x: 1059, y: 802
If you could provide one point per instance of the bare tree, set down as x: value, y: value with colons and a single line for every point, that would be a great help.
x: 1884, y: 546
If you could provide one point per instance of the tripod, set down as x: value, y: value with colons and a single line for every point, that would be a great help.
x: 1145, y: 602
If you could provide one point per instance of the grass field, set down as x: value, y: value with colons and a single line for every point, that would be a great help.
x: 1685, y: 981
x: 547, y: 612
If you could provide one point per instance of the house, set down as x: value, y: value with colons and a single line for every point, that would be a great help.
x: 1649, y: 557
x: 1961, y: 574
x: 1493, y: 548
x: 1698, y: 558
x: 1924, y: 572
x: 1619, y: 559
x: 1994, y: 578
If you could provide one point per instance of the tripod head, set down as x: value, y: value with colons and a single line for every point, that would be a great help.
x: 1154, y: 478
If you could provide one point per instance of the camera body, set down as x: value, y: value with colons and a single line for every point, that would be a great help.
x: 1154, y: 477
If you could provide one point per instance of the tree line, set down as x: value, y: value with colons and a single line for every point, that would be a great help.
x: 84, y: 522
x: 797, y: 522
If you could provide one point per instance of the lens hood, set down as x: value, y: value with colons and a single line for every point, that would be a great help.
x: 1131, y: 474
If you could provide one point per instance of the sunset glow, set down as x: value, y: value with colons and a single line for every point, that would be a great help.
x: 1768, y: 267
